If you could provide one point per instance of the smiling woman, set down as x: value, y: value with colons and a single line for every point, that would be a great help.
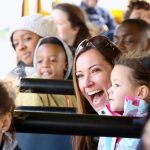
x: 92, y: 79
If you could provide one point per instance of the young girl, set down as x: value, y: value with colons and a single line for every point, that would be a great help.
x: 7, y: 139
x: 129, y: 95
x: 52, y: 60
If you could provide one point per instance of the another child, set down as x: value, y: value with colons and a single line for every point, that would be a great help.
x: 7, y: 106
x: 129, y: 95
x: 52, y: 60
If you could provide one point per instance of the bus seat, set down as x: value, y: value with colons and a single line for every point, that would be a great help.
x: 36, y: 141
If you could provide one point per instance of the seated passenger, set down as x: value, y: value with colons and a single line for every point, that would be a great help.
x: 71, y: 24
x: 133, y: 35
x: 139, y: 9
x: 7, y: 106
x: 24, y: 36
x: 92, y: 79
x: 129, y: 95
x: 52, y: 60
x: 100, y: 17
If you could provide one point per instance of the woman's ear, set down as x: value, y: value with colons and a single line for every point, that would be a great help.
x: 6, y: 122
x: 143, y: 91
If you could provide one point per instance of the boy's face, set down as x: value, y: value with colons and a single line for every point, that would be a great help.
x: 122, y: 85
x: 128, y: 38
x: 51, y: 62
x: 146, y: 136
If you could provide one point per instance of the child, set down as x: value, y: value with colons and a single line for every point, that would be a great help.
x: 52, y: 60
x: 57, y: 54
x: 129, y: 95
x: 7, y: 139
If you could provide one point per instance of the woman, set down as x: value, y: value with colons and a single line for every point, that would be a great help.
x: 24, y: 36
x: 92, y: 79
x: 70, y: 23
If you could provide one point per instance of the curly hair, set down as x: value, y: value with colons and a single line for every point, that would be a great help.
x: 139, y: 4
x: 7, y: 104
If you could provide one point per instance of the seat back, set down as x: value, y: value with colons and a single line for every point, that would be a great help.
x: 36, y: 141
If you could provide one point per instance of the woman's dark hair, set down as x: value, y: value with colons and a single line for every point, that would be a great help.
x: 77, y: 19
x: 110, y: 52
x: 139, y: 4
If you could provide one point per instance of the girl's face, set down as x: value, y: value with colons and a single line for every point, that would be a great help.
x: 51, y: 61
x: 122, y: 85
x: 146, y: 136
x: 65, y: 31
x: 129, y: 38
x: 93, y: 75
x: 25, y: 43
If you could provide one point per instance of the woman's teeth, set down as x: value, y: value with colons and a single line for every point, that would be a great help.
x: 93, y: 92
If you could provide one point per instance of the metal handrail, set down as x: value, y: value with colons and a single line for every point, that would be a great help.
x: 47, y: 86
x: 76, y: 124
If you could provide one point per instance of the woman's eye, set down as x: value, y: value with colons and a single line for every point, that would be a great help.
x: 79, y: 76
x: 39, y: 61
x: 15, y: 44
x: 28, y: 38
x: 96, y: 70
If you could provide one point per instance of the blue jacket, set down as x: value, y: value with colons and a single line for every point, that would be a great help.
x: 99, y: 16
x: 132, y: 107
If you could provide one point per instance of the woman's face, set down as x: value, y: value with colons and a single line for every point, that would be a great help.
x: 93, y: 75
x: 65, y: 31
x: 25, y: 43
